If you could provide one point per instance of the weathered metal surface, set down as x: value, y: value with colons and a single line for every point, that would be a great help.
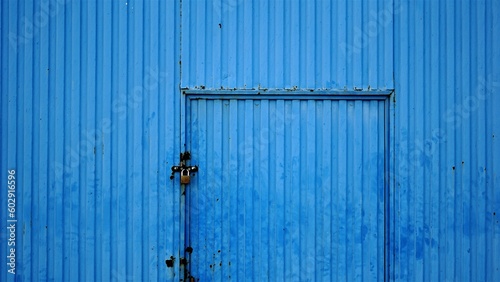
x: 91, y: 106
x: 287, y: 189
x: 88, y: 92
x: 446, y: 137
x: 288, y: 44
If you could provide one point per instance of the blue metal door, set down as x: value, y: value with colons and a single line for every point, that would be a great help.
x: 288, y: 189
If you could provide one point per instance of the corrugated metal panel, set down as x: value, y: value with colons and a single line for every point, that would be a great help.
x: 71, y: 78
x: 447, y: 150
x: 87, y: 123
x: 286, y: 44
x: 288, y: 190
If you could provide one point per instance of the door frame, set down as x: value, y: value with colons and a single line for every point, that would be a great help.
x: 389, y: 159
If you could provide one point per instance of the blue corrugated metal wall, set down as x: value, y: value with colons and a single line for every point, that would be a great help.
x: 447, y: 151
x: 287, y: 44
x: 90, y: 121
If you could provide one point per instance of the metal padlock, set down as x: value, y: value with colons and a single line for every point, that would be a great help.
x: 185, y: 178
